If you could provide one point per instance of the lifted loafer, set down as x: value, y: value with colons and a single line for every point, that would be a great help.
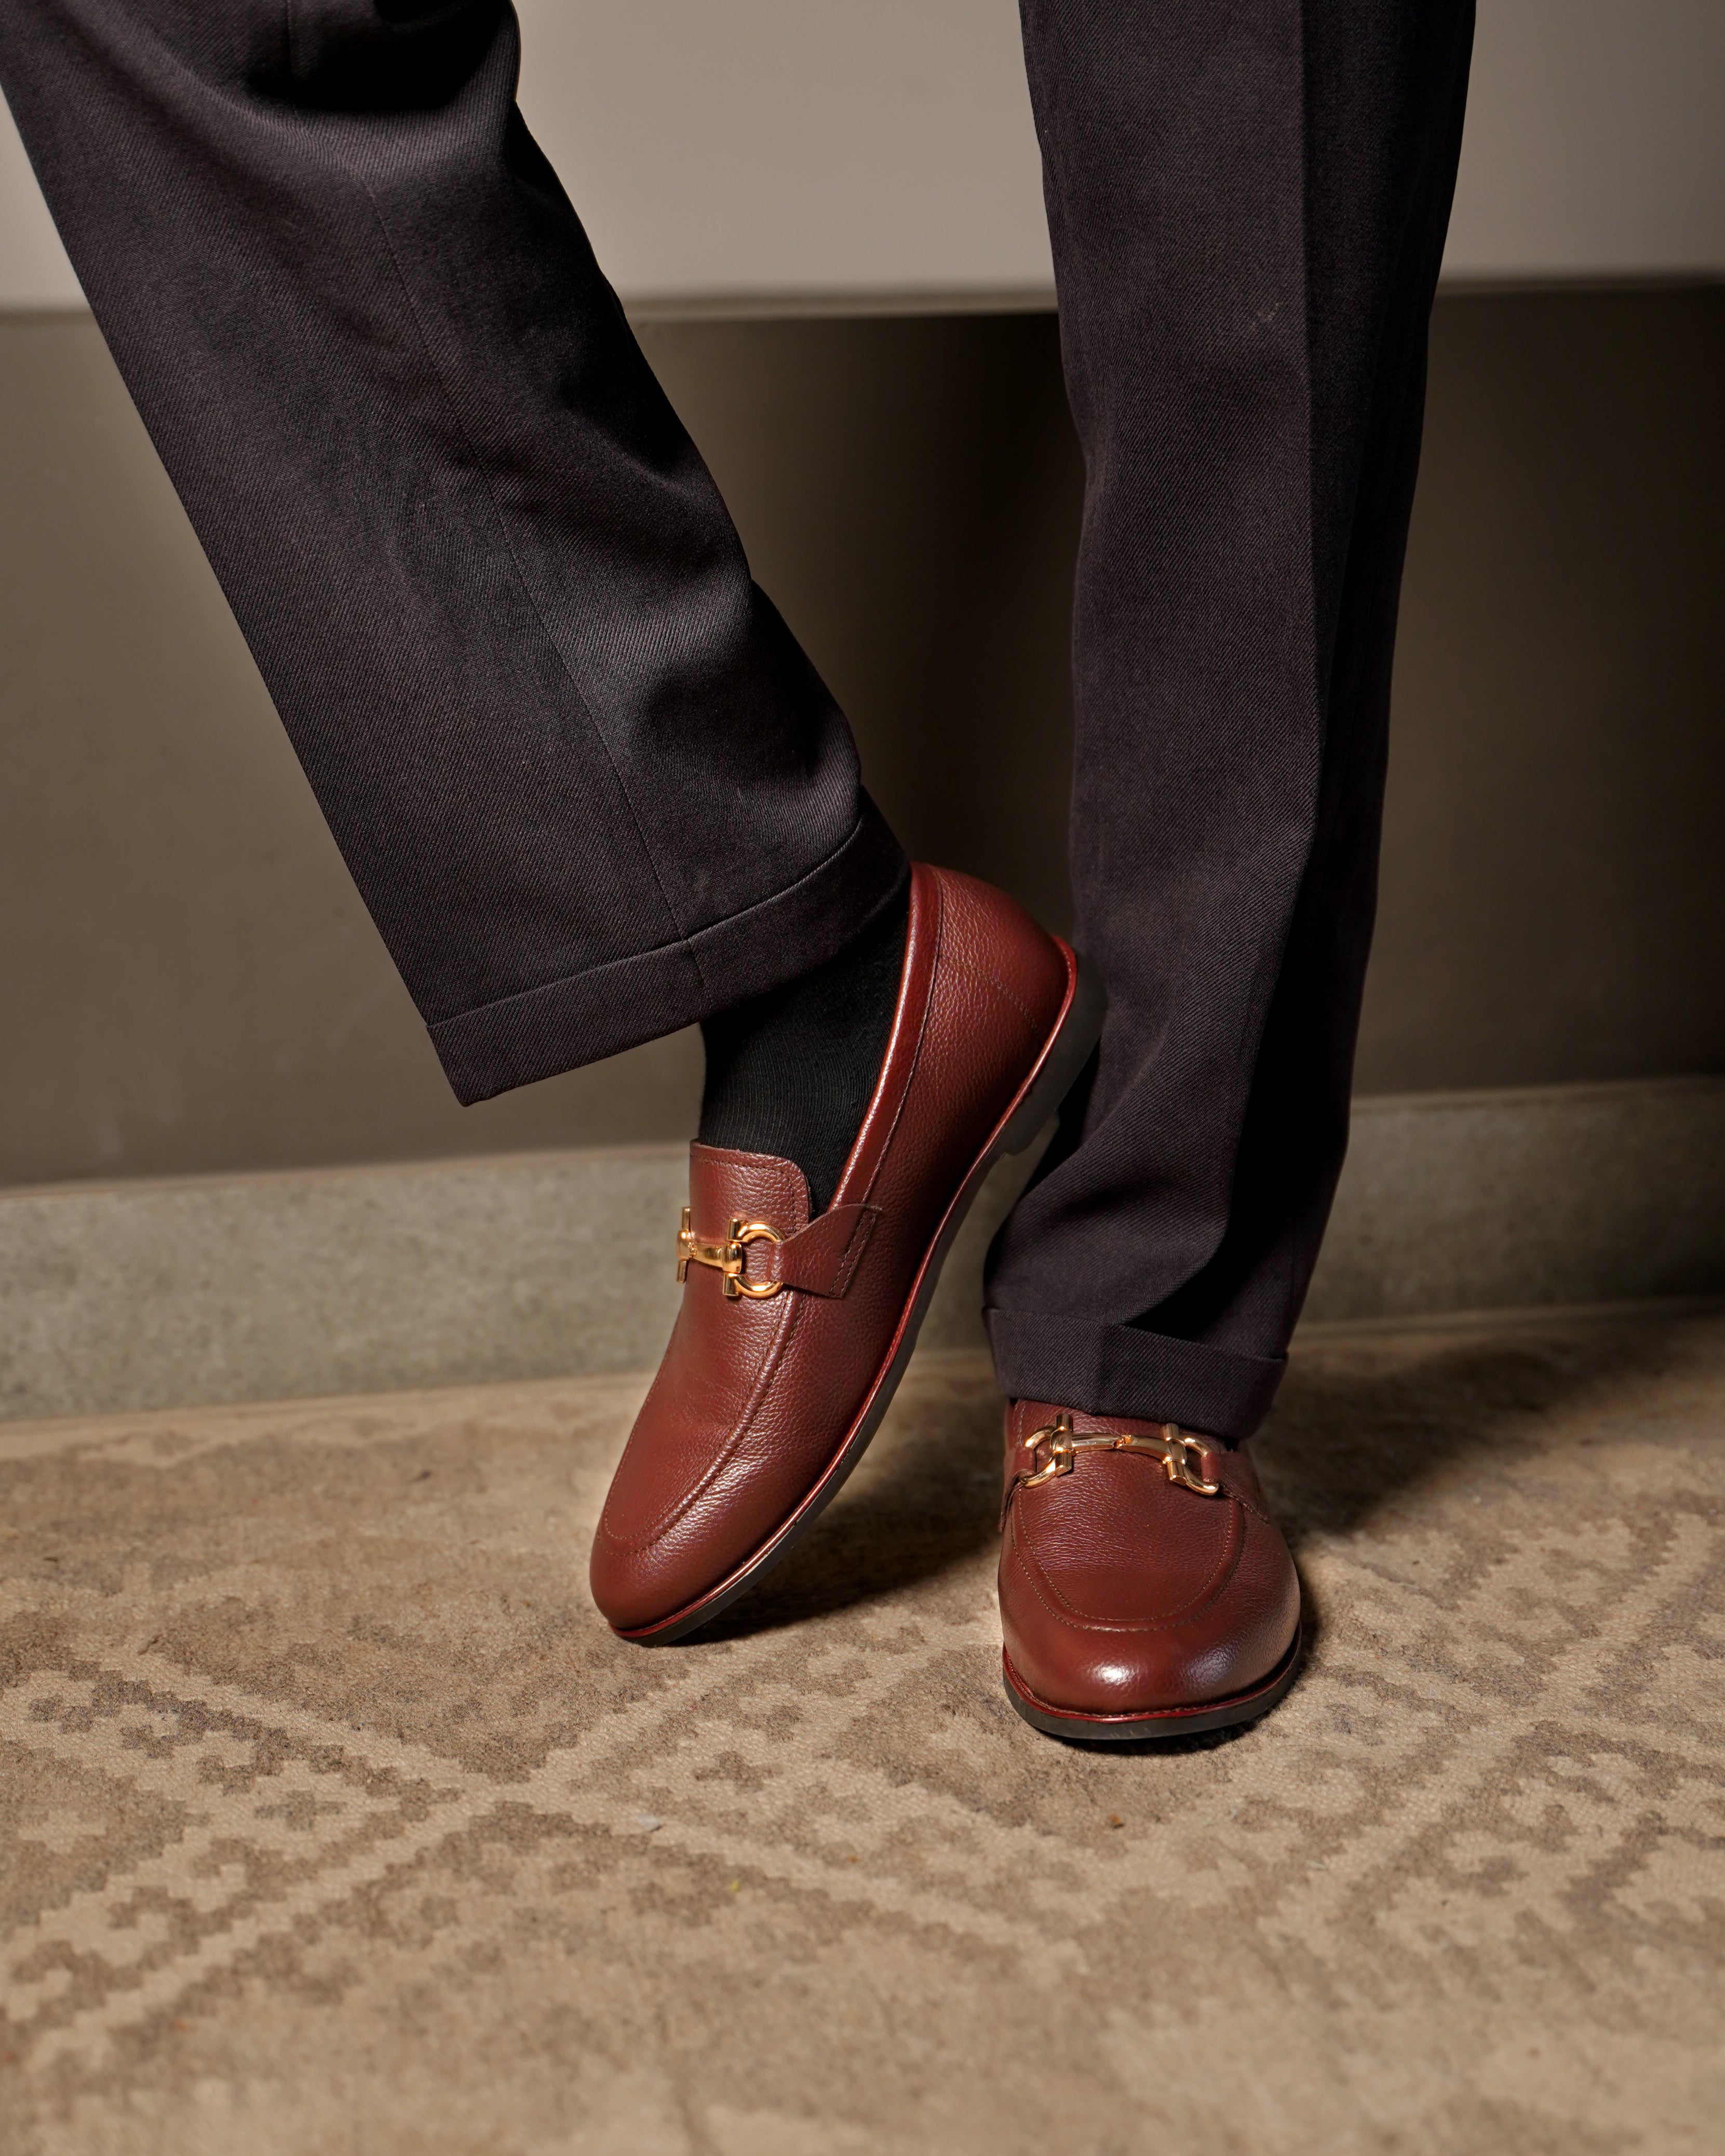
x: 793, y: 1332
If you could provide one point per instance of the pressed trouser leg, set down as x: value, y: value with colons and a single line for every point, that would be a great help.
x: 1248, y: 204
x: 585, y: 780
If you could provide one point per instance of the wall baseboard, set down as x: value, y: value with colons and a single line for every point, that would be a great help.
x: 209, y: 1289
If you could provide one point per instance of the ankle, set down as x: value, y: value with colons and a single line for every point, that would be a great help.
x: 791, y: 1073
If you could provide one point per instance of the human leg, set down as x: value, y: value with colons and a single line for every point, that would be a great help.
x: 588, y: 784
x: 584, y: 779
x: 1248, y: 206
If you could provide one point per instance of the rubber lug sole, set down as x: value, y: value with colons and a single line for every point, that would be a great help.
x: 1057, y: 1070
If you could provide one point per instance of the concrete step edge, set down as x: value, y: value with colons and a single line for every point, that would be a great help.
x: 292, y: 1284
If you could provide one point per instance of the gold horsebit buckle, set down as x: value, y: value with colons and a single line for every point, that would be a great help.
x: 1182, y: 1457
x: 728, y: 1257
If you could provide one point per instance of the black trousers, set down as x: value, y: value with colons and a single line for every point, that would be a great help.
x: 586, y: 783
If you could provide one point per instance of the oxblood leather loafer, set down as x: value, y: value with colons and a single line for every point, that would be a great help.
x: 1145, y: 1591
x: 793, y: 1332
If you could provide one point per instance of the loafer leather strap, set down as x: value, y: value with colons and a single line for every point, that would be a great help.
x: 821, y: 1259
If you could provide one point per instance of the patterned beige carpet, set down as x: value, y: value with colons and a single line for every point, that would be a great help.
x: 332, y: 1820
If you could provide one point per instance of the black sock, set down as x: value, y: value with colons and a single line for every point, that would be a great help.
x: 790, y: 1073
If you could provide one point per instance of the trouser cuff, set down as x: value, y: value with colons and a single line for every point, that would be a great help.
x: 586, y: 1017
x: 1117, y: 1370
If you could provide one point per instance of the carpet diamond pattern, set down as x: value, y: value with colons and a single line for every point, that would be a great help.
x: 332, y: 1819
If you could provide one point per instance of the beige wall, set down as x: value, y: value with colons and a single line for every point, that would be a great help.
x: 751, y: 149
x: 189, y: 983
